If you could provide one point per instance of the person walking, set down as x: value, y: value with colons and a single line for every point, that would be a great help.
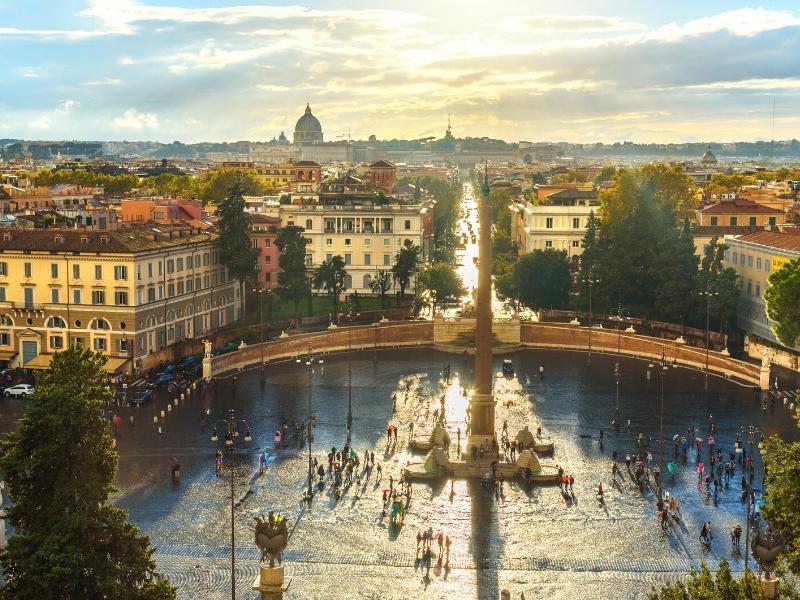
x: 705, y: 533
x: 571, y: 482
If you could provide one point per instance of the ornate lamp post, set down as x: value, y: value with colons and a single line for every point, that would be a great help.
x: 310, y: 368
x: 750, y: 432
x: 708, y: 295
x: 350, y: 384
x: 661, y: 430
x: 231, y: 433
x: 591, y: 282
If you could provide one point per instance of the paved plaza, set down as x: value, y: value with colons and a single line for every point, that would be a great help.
x: 531, y: 540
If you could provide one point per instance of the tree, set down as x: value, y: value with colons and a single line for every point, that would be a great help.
x: 589, y: 265
x: 236, y: 251
x: 330, y: 276
x: 543, y: 279
x: 675, y: 269
x: 783, y: 302
x: 723, y: 284
x: 60, y: 466
x: 704, y: 585
x: 292, y: 281
x: 441, y: 284
x: 405, y: 264
x: 505, y: 284
x: 215, y: 184
x: 782, y: 509
x: 381, y: 282
x: 500, y: 201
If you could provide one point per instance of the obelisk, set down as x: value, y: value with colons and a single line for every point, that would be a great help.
x: 482, y: 403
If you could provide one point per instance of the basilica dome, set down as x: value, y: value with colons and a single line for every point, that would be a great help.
x: 308, y: 130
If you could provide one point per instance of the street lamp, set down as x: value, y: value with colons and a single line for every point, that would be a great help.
x: 751, y: 432
x: 615, y: 422
x: 310, y: 368
x: 232, y: 432
x: 661, y: 430
x: 623, y: 314
x: 708, y: 295
x: 350, y: 384
x: 591, y: 282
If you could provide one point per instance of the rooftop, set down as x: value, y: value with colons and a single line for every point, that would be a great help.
x: 124, y: 241
x: 773, y: 239
x: 738, y: 206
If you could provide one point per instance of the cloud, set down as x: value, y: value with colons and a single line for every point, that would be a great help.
x: 569, y: 23
x: 273, y: 88
x: 69, y: 105
x: 42, y: 123
x: 133, y: 119
x: 105, y: 81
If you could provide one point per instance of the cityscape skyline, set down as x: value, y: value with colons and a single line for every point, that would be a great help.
x: 195, y: 70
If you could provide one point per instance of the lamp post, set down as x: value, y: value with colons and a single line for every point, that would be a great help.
x: 708, y: 295
x: 623, y: 314
x: 129, y: 352
x: 615, y: 422
x: 661, y: 430
x: 350, y: 383
x: 232, y: 432
x: 260, y: 292
x: 751, y: 432
x: 591, y: 282
x: 619, y: 317
x: 310, y: 368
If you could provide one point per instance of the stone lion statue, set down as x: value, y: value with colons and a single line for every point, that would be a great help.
x: 271, y: 537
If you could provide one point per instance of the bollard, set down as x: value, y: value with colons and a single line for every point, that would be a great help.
x: 169, y: 407
x: 163, y: 414
x: 159, y: 430
x: 194, y: 385
x: 155, y: 419
x: 791, y: 406
x: 183, y: 397
x: 176, y: 401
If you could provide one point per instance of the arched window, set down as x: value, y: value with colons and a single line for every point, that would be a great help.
x: 6, y: 321
x: 189, y: 310
x: 171, y: 315
x: 367, y: 281
x: 300, y: 175
x: 56, y: 322
x: 151, y: 321
x: 348, y: 281
x: 100, y: 324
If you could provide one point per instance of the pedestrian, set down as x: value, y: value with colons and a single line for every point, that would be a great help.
x: 262, y: 462
x: 541, y: 371
x: 571, y: 483
x: 601, y: 437
x: 705, y: 533
x: 628, y: 461
x: 389, y: 434
x: 130, y: 423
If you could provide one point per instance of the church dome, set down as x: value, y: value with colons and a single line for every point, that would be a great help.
x: 708, y: 157
x: 308, y: 128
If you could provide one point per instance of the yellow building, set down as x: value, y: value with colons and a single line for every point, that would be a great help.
x: 737, y: 212
x: 125, y: 293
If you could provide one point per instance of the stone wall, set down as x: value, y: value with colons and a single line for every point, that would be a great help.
x: 461, y: 331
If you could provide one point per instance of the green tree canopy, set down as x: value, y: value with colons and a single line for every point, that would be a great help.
x: 441, y: 284
x: 405, y: 264
x: 783, y: 302
x: 381, y: 282
x: 292, y: 281
x: 329, y: 275
x: 542, y: 278
x: 215, y: 185
x: 59, y: 467
x: 721, y: 282
x: 705, y: 585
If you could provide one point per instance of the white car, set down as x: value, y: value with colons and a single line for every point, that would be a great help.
x: 21, y: 389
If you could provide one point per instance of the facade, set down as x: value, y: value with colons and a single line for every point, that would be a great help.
x: 124, y: 293
x: 263, y: 231
x: 291, y: 175
x: 383, y: 175
x: 161, y: 210
x: 755, y: 256
x: 366, y: 235
x: 560, y: 223
x: 735, y: 212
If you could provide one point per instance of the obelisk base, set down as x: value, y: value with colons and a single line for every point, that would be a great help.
x: 481, y: 423
x: 269, y: 582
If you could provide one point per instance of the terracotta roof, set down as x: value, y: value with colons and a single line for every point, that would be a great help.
x: 773, y: 239
x: 383, y: 164
x: 740, y: 206
x: 259, y: 218
x: 306, y: 163
x: 122, y: 241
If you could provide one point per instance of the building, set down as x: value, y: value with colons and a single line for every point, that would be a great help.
x: 559, y: 223
x: 383, y: 175
x: 126, y: 293
x: 734, y: 211
x: 161, y: 210
x: 755, y: 256
x: 263, y: 231
x: 292, y: 176
x: 308, y: 129
x: 365, y: 234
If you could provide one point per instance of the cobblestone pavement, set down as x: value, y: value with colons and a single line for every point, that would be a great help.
x: 532, y: 540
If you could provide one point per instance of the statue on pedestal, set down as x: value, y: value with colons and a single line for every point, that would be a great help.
x: 271, y: 536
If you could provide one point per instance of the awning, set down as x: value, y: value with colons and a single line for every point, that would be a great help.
x: 7, y: 354
x: 115, y: 364
x: 40, y: 361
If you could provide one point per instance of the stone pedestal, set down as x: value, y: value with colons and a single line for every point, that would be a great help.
x: 269, y: 582
x: 769, y: 587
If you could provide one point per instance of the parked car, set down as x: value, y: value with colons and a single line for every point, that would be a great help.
x: 143, y: 396
x: 508, y: 367
x: 163, y: 380
x: 21, y: 389
x: 191, y: 360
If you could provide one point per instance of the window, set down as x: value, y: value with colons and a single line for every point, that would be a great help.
x: 329, y: 241
x: 198, y: 284
x: 170, y: 266
x: 76, y: 296
x: 5, y: 339
x: 101, y: 324
x: 408, y: 224
x: 205, y: 259
x: 347, y: 225
x: 268, y: 260
x: 328, y: 257
x: 750, y: 286
x: 121, y: 298
x: 576, y: 243
x: 367, y: 242
x: 151, y: 294
x: 330, y: 225
x: 734, y: 221
x: 735, y: 258
x: 56, y: 341
x: 758, y: 290
x: 309, y: 224
x: 368, y: 259
x: 268, y: 277
x: 368, y: 226
x: 267, y: 243
x: 54, y: 270
x: 54, y: 295
x: 2, y: 294
x: 385, y: 241
x: 752, y: 221
x: 98, y: 297
x: 180, y: 287
x: 758, y: 263
x: 56, y: 322
x: 713, y: 221
x: 767, y: 266
x: 749, y: 260
x: 27, y: 268
x: 548, y: 244
x: 348, y: 258
x: 386, y: 259
x: 98, y: 271
x: 548, y: 223
x: 4, y: 269
x: 347, y: 241
x: 123, y: 345
x: 179, y: 264
x: 189, y: 262
x: 149, y: 269
x: 100, y: 344
x: 121, y: 273
x: 170, y: 290
x: 773, y: 222
x: 190, y: 285
x: 28, y: 296
x: 160, y: 268
x: 76, y: 271
x: 576, y: 222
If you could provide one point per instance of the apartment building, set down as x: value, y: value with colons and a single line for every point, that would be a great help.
x: 124, y: 293
x: 366, y: 235
x: 559, y: 222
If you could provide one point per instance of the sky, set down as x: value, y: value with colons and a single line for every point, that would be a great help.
x: 537, y: 70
